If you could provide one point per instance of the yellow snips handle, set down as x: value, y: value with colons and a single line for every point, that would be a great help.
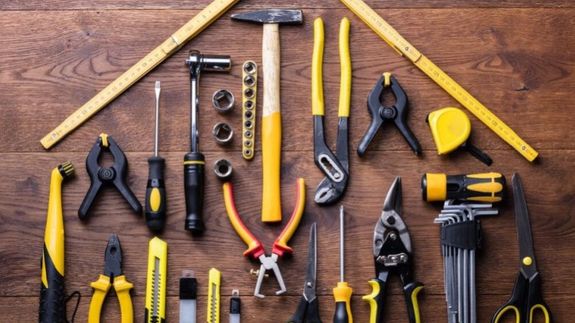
x: 345, y: 66
x: 317, y: 102
x: 518, y: 319
x: 373, y: 300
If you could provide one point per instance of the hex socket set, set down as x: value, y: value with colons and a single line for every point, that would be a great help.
x: 249, y: 95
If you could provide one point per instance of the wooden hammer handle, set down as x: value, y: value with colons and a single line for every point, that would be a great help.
x: 271, y: 125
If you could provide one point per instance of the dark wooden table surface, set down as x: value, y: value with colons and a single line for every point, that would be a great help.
x: 516, y: 56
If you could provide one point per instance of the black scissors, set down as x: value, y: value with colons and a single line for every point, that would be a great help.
x: 308, y: 308
x: 526, y: 298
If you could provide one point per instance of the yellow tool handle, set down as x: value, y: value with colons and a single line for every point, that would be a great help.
x: 342, y: 295
x: 101, y: 288
x: 317, y: 101
x: 345, y: 67
x: 54, y: 232
x: 280, y: 245
x: 271, y: 163
x: 255, y: 248
x: 188, y: 31
x: 404, y: 48
x: 123, y: 287
x: 155, y: 302
x: 484, y: 187
x: 215, y: 279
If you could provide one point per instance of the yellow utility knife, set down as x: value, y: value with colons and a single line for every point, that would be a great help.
x: 215, y: 280
x: 156, y: 282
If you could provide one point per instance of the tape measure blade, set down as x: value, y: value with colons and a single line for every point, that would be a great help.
x: 191, y: 29
x: 476, y: 107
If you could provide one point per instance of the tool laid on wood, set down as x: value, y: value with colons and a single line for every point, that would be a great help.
x: 188, y: 296
x: 155, y: 302
x: 342, y: 292
x: 380, y: 113
x: 223, y: 169
x: 335, y: 167
x: 52, y: 290
x: 249, y: 99
x: 188, y: 31
x: 393, y: 255
x: 194, y: 161
x: 450, y: 128
x: 460, y: 238
x: 155, y: 207
x: 114, y: 175
x: 527, y: 297
x: 404, y: 48
x: 308, y: 308
x: 235, y: 307
x: 223, y: 101
x: 223, y: 133
x: 271, y: 116
x: 214, y: 282
x: 113, y: 276
x: 256, y: 249
x: 484, y: 187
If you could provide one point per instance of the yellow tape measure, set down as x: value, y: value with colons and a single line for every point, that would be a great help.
x: 404, y: 48
x: 188, y: 31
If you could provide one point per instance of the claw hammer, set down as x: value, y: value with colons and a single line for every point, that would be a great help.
x: 271, y: 115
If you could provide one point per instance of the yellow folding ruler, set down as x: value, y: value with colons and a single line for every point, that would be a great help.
x: 188, y: 31
x: 404, y: 48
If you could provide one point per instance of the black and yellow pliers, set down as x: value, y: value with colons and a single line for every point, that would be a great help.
x: 112, y: 276
x: 392, y: 255
x: 334, y: 166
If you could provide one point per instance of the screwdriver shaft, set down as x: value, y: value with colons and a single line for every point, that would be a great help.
x: 157, y: 127
x: 341, y: 244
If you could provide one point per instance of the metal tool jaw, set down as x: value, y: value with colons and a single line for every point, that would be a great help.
x: 269, y: 263
x: 380, y: 113
x: 391, y: 240
x: 101, y: 176
x: 335, y: 167
x: 113, y: 258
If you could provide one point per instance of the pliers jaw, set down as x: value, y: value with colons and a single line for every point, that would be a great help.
x: 113, y: 258
x: 380, y: 113
x: 335, y: 168
x: 269, y: 263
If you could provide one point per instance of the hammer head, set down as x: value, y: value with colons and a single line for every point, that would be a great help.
x: 272, y: 16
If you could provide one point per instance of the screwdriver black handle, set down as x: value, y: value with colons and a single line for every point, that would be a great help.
x: 342, y: 294
x: 194, y: 163
x: 155, y: 207
x: 483, y: 187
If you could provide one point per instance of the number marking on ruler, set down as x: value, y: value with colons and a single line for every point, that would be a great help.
x: 188, y: 31
x: 404, y: 48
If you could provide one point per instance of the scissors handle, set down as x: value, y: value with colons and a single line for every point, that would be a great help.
x: 525, y: 301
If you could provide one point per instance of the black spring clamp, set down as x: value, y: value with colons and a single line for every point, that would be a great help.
x: 380, y: 113
x: 114, y: 175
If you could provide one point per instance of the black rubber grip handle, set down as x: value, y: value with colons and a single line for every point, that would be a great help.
x: 340, y: 315
x: 52, y: 297
x: 155, y: 208
x: 194, y: 191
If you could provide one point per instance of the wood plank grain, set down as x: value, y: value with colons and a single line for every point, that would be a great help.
x: 516, y: 61
x: 264, y: 4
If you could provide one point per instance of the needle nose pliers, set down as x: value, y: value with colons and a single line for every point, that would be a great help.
x: 114, y: 175
x: 256, y: 249
x: 112, y: 276
x: 335, y: 167
x: 393, y: 255
x: 380, y: 113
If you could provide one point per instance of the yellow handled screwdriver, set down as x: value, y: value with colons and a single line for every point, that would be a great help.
x: 342, y: 292
x: 483, y: 187
x: 155, y: 208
